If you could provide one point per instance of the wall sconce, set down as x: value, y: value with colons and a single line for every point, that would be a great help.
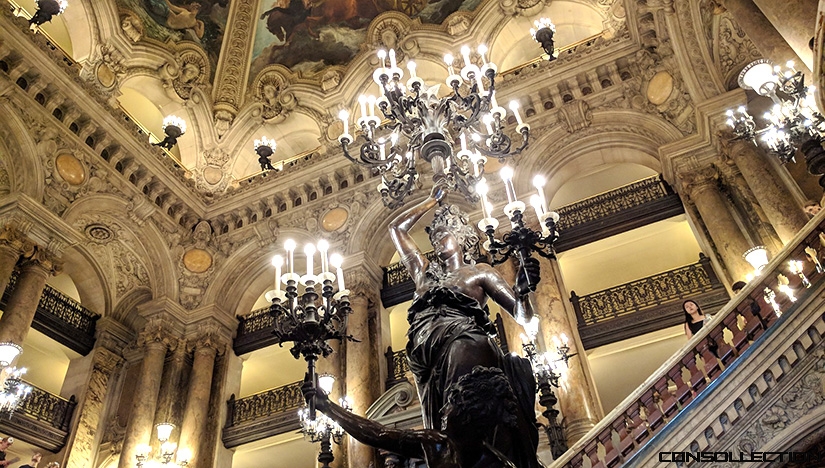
x: 265, y: 147
x: 174, y: 127
x: 46, y: 10
x: 758, y: 258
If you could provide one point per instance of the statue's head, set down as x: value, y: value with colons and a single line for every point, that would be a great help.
x: 450, y: 233
x: 478, y: 402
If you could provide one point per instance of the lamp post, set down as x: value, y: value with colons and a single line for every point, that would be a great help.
x: 167, y: 449
x: 311, y: 318
x: 321, y: 428
x: 174, y: 127
x: 409, y: 121
x: 544, y: 368
x: 793, y: 122
x: 46, y: 10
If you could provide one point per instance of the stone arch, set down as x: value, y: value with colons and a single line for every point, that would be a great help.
x: 560, y: 155
x: 125, y: 311
x: 89, y: 279
x: 244, y: 276
x: 19, y: 153
x: 143, y: 239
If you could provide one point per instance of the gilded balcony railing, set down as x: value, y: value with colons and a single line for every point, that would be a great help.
x: 60, y: 317
x: 613, y: 202
x: 397, y: 367
x: 672, y: 285
x: 717, y: 346
x: 264, y: 404
x: 396, y: 274
x: 54, y: 410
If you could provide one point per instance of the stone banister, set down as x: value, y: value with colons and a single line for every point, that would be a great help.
x: 626, y: 429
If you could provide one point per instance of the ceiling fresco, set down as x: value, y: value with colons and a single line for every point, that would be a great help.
x: 201, y: 21
x: 309, y: 35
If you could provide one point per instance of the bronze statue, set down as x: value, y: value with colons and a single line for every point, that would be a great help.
x: 477, y: 405
x: 450, y: 330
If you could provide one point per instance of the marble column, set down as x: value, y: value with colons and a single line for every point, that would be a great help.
x: 764, y: 35
x: 795, y: 21
x: 139, y: 429
x: 83, y: 447
x: 363, y: 381
x: 702, y: 188
x: 785, y: 215
x: 578, y: 400
x: 169, y: 397
x: 197, y: 398
x: 22, y: 305
x: 13, y: 244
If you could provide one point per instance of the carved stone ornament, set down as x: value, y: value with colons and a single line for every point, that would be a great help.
x: 131, y: 25
x: 189, y: 71
x: 699, y: 179
x: 735, y: 50
x: 45, y: 259
x: 276, y: 101
x: 154, y: 333
x: 12, y: 237
x: 388, y: 30
x: 576, y: 115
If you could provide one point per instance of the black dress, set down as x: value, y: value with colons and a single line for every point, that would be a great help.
x: 695, y: 326
x: 443, y: 320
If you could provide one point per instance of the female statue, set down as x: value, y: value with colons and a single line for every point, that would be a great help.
x: 450, y: 328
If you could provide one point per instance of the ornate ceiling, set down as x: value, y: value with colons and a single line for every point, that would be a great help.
x: 239, y: 69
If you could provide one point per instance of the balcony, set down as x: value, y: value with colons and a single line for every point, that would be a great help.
x: 647, y: 304
x: 61, y: 318
x: 628, y: 207
x: 262, y: 415
x: 42, y: 419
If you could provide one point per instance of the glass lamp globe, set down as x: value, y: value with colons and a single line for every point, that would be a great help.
x: 758, y: 76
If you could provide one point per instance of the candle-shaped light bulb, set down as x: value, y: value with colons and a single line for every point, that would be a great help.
x: 393, y: 63
x: 363, y: 101
x: 337, y: 261
x: 465, y: 53
x: 323, y: 247
x: 382, y: 55
x: 482, y: 189
x: 514, y: 108
x: 493, y: 102
x: 742, y: 110
x: 463, y: 139
x: 371, y: 102
x: 564, y: 339
x: 535, y: 201
x: 448, y: 59
x: 411, y: 67
x: 309, y: 250
x: 278, y: 263
x: 539, y: 182
x: 344, y: 116
x: 488, y: 123
x: 482, y: 50
x: 382, y: 151
x: 289, y: 246
x: 506, y: 174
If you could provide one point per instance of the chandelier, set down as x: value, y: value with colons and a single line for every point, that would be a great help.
x: 310, y: 318
x: 167, y: 450
x: 520, y: 241
x: 13, y: 390
x: 265, y: 147
x: 793, y: 122
x: 174, y: 127
x: 46, y: 10
x: 322, y: 428
x: 543, y: 34
x: 410, y: 122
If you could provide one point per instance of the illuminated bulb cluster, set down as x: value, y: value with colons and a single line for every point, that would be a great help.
x: 265, y: 142
x: 792, y: 120
x: 174, y: 121
x: 289, y: 275
x: 541, y: 23
x: 408, y: 121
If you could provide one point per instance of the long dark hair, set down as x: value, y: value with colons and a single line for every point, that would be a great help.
x: 687, y: 315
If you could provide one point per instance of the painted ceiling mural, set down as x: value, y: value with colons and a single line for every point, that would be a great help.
x: 309, y: 35
x: 201, y: 21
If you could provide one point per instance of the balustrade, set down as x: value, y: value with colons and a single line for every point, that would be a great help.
x: 264, y: 404
x: 60, y: 317
x: 42, y: 419
x: 679, y: 381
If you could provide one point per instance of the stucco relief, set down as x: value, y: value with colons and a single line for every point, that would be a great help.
x: 271, y: 90
x: 189, y: 71
x: 734, y: 50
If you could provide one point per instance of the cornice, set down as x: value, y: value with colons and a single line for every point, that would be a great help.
x: 38, y: 223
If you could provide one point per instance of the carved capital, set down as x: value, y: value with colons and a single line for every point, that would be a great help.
x: 44, y: 259
x: 106, y: 361
x: 361, y: 283
x: 155, y: 334
x: 698, y: 180
x: 11, y: 236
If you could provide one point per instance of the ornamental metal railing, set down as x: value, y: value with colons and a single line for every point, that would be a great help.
x: 668, y: 286
x: 398, y: 367
x: 60, y: 317
x: 264, y: 404
x: 396, y: 274
x: 613, y: 202
x: 51, y: 409
x: 718, y: 345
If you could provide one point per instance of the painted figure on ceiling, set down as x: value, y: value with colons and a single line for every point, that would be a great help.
x: 185, y: 17
x: 286, y: 17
